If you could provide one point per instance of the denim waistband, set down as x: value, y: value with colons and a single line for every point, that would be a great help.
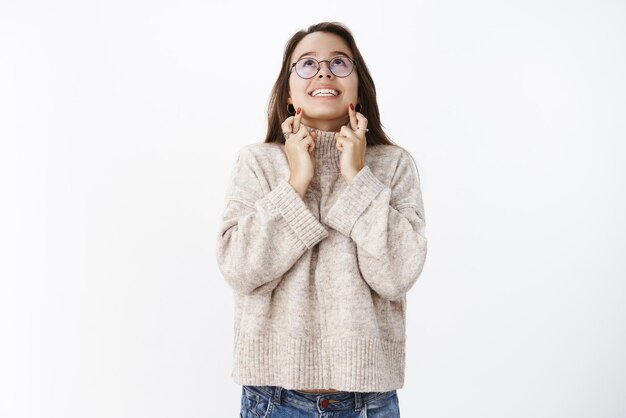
x: 322, y: 402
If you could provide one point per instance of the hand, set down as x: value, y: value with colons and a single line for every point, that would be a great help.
x: 300, y: 150
x: 352, y: 144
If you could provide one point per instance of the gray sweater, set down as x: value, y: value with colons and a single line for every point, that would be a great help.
x: 320, y: 283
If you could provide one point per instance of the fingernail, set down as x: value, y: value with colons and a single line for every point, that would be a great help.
x: 351, y: 107
x: 299, y: 110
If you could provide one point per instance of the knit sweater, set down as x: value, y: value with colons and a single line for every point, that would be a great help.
x: 320, y: 282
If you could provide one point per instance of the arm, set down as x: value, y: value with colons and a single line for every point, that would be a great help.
x: 262, y: 236
x: 387, y: 224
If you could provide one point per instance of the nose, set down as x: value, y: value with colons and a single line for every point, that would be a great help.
x: 325, y: 70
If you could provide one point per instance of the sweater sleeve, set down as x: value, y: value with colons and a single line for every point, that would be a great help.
x: 262, y: 235
x: 388, y: 226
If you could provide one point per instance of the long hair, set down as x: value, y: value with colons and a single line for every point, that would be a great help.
x: 277, y: 104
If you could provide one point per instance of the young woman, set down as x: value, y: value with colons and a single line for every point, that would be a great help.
x: 321, y: 238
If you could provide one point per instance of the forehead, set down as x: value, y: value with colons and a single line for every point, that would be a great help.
x: 321, y: 44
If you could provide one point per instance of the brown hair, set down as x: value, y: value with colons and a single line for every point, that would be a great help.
x: 277, y: 104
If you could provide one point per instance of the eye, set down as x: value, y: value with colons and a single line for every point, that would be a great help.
x: 340, y: 61
x: 309, y: 62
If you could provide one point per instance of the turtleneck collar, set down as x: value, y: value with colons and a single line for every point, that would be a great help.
x: 327, y: 156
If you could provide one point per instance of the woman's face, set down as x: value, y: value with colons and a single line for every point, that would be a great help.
x: 326, y: 113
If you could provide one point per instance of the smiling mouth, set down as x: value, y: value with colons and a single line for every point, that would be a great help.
x: 325, y: 92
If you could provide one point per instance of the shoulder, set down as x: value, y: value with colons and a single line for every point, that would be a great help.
x: 387, y: 151
x: 390, y: 157
x: 260, y: 150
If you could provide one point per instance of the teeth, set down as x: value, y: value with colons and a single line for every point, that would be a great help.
x: 325, y: 92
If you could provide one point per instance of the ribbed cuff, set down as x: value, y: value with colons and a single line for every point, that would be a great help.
x: 353, y: 200
x: 285, y: 200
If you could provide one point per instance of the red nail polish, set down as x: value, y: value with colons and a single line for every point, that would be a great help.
x: 351, y: 107
x: 299, y: 110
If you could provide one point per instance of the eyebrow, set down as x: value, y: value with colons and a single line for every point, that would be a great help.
x: 332, y: 52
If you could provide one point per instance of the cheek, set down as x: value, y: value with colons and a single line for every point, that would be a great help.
x: 353, y: 89
x: 297, y: 89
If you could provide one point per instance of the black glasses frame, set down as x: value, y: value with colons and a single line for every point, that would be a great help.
x: 319, y: 65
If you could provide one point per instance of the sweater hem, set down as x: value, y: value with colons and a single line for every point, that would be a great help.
x: 355, y: 364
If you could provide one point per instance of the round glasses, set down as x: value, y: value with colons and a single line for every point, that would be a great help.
x: 340, y: 66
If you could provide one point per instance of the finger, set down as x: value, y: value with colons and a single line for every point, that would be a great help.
x: 302, y: 133
x: 296, y: 121
x: 306, y: 143
x: 362, y: 124
x: 312, y: 144
x: 287, y: 124
x: 313, y: 136
x: 347, y: 132
x: 353, y: 121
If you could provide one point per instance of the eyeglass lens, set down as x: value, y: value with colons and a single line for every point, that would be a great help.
x: 339, y: 66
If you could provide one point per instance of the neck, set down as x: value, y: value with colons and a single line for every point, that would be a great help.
x: 328, y: 125
x: 326, y: 153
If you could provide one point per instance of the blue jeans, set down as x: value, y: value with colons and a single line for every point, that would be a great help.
x: 278, y: 402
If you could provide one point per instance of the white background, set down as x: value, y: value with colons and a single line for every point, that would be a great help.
x: 120, y: 121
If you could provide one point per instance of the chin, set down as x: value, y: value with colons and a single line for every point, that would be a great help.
x: 330, y: 113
